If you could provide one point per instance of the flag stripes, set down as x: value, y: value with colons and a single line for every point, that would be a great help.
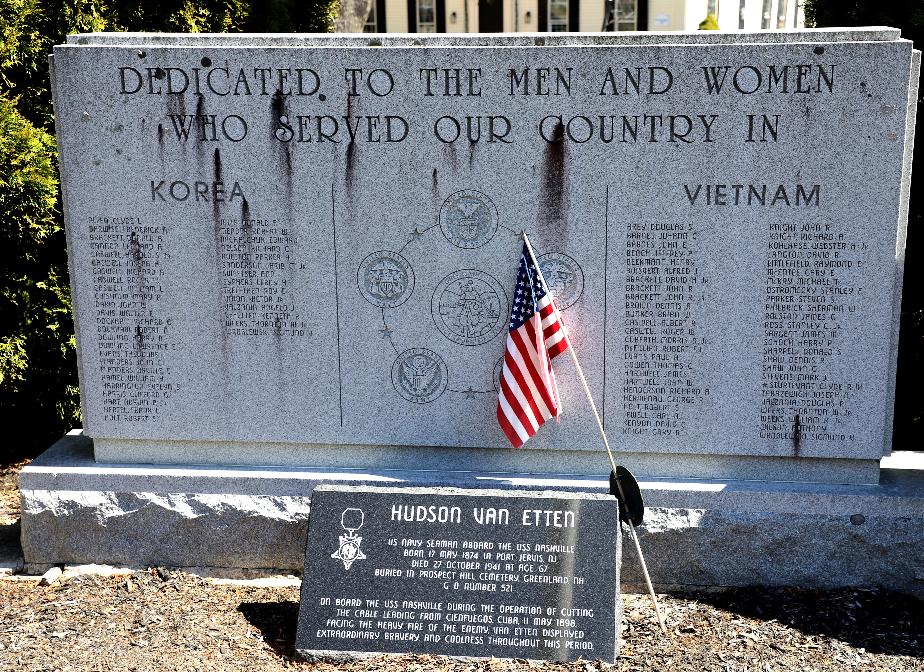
x: 528, y: 391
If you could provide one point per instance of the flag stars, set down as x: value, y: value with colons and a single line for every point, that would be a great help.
x: 386, y: 331
x: 528, y: 292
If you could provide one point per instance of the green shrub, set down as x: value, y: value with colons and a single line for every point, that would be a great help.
x: 38, y: 391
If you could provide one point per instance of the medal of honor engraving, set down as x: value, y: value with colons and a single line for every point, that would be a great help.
x: 349, y: 551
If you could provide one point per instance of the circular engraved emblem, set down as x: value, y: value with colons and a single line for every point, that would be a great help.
x: 419, y: 375
x: 469, y: 307
x: 498, y: 370
x: 385, y: 279
x: 468, y: 219
x: 564, y: 278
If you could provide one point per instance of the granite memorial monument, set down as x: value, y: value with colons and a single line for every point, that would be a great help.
x: 291, y: 259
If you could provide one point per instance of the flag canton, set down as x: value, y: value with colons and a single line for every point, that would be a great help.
x: 528, y: 293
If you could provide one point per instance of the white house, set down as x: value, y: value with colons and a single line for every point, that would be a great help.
x: 495, y: 16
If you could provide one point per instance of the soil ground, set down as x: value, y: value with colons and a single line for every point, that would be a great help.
x: 158, y: 619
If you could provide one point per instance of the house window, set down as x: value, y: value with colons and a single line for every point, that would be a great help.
x: 372, y: 21
x: 558, y: 16
x: 626, y: 14
x: 426, y: 16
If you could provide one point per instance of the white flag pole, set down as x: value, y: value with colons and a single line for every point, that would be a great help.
x: 606, y: 443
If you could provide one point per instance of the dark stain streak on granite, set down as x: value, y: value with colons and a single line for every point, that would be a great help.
x: 449, y: 150
x: 435, y: 200
x: 216, y: 160
x: 278, y: 110
x: 277, y: 327
x: 218, y: 170
x: 176, y: 104
x: 349, y: 172
x: 139, y: 340
x: 136, y: 253
x: 247, y: 230
x: 200, y: 112
x: 553, y: 198
x: 134, y: 247
x: 216, y: 208
x: 247, y: 226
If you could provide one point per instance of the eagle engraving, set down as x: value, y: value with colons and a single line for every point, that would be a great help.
x: 418, y: 374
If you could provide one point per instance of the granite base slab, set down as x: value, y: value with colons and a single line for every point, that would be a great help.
x: 527, y: 460
x: 696, y: 532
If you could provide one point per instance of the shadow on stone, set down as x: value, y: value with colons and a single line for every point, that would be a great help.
x: 882, y: 622
x: 10, y: 549
x: 276, y: 621
x: 9, y: 537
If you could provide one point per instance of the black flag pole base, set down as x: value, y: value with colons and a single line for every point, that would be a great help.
x: 624, y: 487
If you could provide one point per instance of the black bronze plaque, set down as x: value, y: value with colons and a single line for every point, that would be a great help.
x: 467, y: 573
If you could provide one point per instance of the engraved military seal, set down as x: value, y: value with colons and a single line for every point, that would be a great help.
x: 469, y: 307
x: 564, y: 277
x: 468, y: 219
x: 498, y: 372
x: 419, y: 375
x: 385, y: 279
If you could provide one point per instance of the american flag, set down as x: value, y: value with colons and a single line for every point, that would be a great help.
x: 528, y: 392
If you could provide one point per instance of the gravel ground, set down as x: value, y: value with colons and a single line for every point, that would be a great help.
x: 162, y: 620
